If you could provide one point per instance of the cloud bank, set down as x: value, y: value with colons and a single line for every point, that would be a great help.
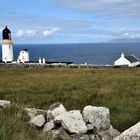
x: 102, y: 8
x: 33, y: 33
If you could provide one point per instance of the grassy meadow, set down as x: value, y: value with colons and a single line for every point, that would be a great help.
x: 117, y: 89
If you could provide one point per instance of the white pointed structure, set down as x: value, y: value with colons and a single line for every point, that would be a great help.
x: 43, y: 60
x: 7, y: 46
x: 39, y: 61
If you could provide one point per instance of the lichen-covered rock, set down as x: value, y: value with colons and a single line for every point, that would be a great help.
x: 48, y: 126
x: 55, y: 110
x: 72, y: 121
x: 38, y: 120
x: 4, y: 103
x: 132, y: 133
x: 32, y: 112
x: 99, y: 117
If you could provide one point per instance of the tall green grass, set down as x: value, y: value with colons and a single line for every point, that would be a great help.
x: 117, y: 89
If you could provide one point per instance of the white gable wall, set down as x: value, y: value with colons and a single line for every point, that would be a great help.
x: 122, y: 61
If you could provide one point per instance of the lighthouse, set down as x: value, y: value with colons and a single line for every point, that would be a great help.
x: 7, y: 46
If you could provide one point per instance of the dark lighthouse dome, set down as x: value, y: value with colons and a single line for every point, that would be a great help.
x: 6, y: 34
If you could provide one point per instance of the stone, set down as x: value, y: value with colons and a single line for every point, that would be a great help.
x: 94, y: 137
x: 32, y: 112
x: 55, y: 110
x: 80, y: 137
x: 99, y: 117
x: 4, y: 103
x: 72, y: 121
x: 48, y: 126
x: 38, y: 120
x: 132, y: 133
x: 113, y: 132
x: 109, y: 134
x: 63, y: 135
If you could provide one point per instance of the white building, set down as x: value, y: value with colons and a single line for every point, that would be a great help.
x: 129, y: 60
x: 7, y: 46
x: 23, y: 56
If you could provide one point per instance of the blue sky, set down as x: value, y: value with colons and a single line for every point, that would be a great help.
x: 70, y: 21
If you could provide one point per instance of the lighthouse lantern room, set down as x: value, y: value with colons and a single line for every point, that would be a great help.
x: 7, y: 46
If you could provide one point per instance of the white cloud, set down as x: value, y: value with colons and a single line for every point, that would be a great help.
x: 26, y: 33
x: 20, y: 33
x: 49, y: 32
x: 32, y: 33
x: 124, y: 34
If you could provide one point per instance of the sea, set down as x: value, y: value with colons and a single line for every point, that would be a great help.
x: 95, y: 53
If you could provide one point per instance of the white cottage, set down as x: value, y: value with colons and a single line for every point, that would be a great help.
x: 128, y: 60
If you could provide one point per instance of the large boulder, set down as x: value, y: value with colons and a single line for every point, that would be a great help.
x: 4, y: 103
x: 99, y: 117
x: 72, y: 121
x: 38, y: 121
x: 55, y: 110
x: 132, y: 133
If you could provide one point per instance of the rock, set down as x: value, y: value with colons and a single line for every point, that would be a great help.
x: 99, y: 117
x: 4, y: 103
x: 132, y: 133
x: 109, y: 134
x: 62, y: 134
x: 72, y: 121
x: 90, y: 129
x: 80, y: 137
x: 113, y: 132
x: 48, y: 126
x: 94, y: 137
x: 38, y: 120
x: 32, y: 112
x: 55, y: 110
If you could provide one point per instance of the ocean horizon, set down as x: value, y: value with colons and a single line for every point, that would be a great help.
x: 91, y: 53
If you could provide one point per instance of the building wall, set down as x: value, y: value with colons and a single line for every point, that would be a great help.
x: 122, y: 61
x: 7, y: 52
x: 134, y: 64
x: 23, y: 56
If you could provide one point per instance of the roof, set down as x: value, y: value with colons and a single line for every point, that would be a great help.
x: 131, y: 58
x: 6, y: 30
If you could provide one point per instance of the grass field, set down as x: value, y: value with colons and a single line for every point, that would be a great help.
x: 117, y: 89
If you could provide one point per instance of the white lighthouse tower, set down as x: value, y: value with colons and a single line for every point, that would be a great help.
x: 7, y: 46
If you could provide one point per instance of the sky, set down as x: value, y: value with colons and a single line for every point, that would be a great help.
x: 70, y: 21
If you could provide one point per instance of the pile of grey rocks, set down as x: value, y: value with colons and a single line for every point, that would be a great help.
x: 93, y: 123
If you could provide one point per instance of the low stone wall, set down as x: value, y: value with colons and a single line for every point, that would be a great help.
x: 93, y: 123
x: 36, y: 65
